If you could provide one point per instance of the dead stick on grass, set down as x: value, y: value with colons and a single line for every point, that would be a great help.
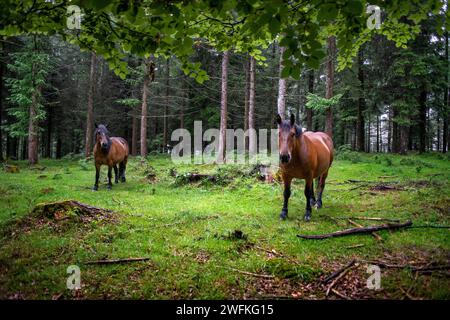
x: 340, y: 294
x: 376, y: 235
x: 341, y: 275
x: 339, y: 271
x: 116, y: 261
x: 370, y: 229
x: 355, y: 246
x: 268, y: 276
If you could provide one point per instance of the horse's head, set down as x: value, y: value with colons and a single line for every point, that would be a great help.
x: 102, y: 136
x: 288, y: 131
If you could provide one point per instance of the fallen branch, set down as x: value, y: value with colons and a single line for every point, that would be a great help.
x: 383, y: 264
x: 369, y: 218
x: 376, y: 235
x: 340, y: 294
x: 339, y: 271
x: 370, y: 229
x: 341, y: 275
x: 355, y: 246
x: 253, y: 274
x: 127, y: 260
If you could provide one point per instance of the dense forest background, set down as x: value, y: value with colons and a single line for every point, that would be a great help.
x: 391, y: 100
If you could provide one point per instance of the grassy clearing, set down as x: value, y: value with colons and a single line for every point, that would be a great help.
x: 189, y: 231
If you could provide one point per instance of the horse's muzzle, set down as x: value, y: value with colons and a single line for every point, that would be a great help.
x: 284, y: 158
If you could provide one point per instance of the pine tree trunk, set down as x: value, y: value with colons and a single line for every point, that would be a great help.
x: 389, y: 136
x: 32, y: 129
x: 251, y: 108
x: 272, y: 99
x: 1, y: 100
x: 330, y: 84
x: 223, y: 109
x: 144, y: 123
x: 360, y: 139
x: 185, y: 102
x: 90, y: 108
x: 48, y: 146
x: 446, y: 132
x: 166, y: 105
x: 422, y: 120
x: 309, y: 111
x: 134, y: 128
x: 281, y: 102
x: 246, y: 98
x: 378, y: 133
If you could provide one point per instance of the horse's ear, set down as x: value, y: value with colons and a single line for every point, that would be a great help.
x: 292, y: 119
x: 278, y: 120
x: 298, y: 130
x: 96, y: 125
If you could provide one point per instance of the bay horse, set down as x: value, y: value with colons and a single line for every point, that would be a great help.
x: 109, y: 151
x: 303, y: 155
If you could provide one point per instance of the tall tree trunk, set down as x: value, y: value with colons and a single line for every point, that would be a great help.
x: 166, y: 105
x: 185, y: 102
x: 446, y: 132
x: 389, y: 135
x: 422, y: 120
x: 251, y: 108
x: 33, y: 143
x: 361, y: 105
x: 309, y: 111
x: 272, y: 99
x: 246, y: 98
x: 149, y: 75
x: 330, y: 84
x: 281, y: 103
x: 48, y: 147
x: 90, y: 107
x: 134, y: 128
x: 395, y: 132
x: 1, y: 99
x: 378, y: 133
x: 368, y: 149
x: 223, y: 109
x: 438, y: 133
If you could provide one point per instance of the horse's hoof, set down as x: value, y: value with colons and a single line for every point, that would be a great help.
x: 117, y: 181
x: 319, y: 204
x: 283, y: 215
x: 95, y: 188
x: 307, y: 216
x: 123, y: 179
x: 109, y: 187
x: 312, y: 202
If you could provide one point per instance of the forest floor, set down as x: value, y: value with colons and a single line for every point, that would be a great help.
x: 221, y: 238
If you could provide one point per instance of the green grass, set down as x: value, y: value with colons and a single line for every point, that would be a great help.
x: 187, y: 231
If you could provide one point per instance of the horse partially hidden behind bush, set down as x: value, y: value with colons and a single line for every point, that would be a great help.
x: 303, y: 155
x: 109, y: 151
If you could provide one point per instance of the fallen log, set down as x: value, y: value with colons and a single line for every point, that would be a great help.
x: 126, y: 260
x: 376, y: 235
x: 370, y: 229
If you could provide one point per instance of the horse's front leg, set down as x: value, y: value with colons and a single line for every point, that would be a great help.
x: 286, y: 194
x: 97, y: 175
x: 116, y: 174
x: 308, y: 194
x: 109, y: 177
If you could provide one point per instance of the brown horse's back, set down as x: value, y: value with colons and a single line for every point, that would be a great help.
x: 323, y: 146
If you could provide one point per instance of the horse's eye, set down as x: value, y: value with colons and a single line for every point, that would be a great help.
x: 292, y: 134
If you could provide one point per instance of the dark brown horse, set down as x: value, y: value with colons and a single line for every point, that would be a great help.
x: 110, y: 152
x: 303, y: 155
